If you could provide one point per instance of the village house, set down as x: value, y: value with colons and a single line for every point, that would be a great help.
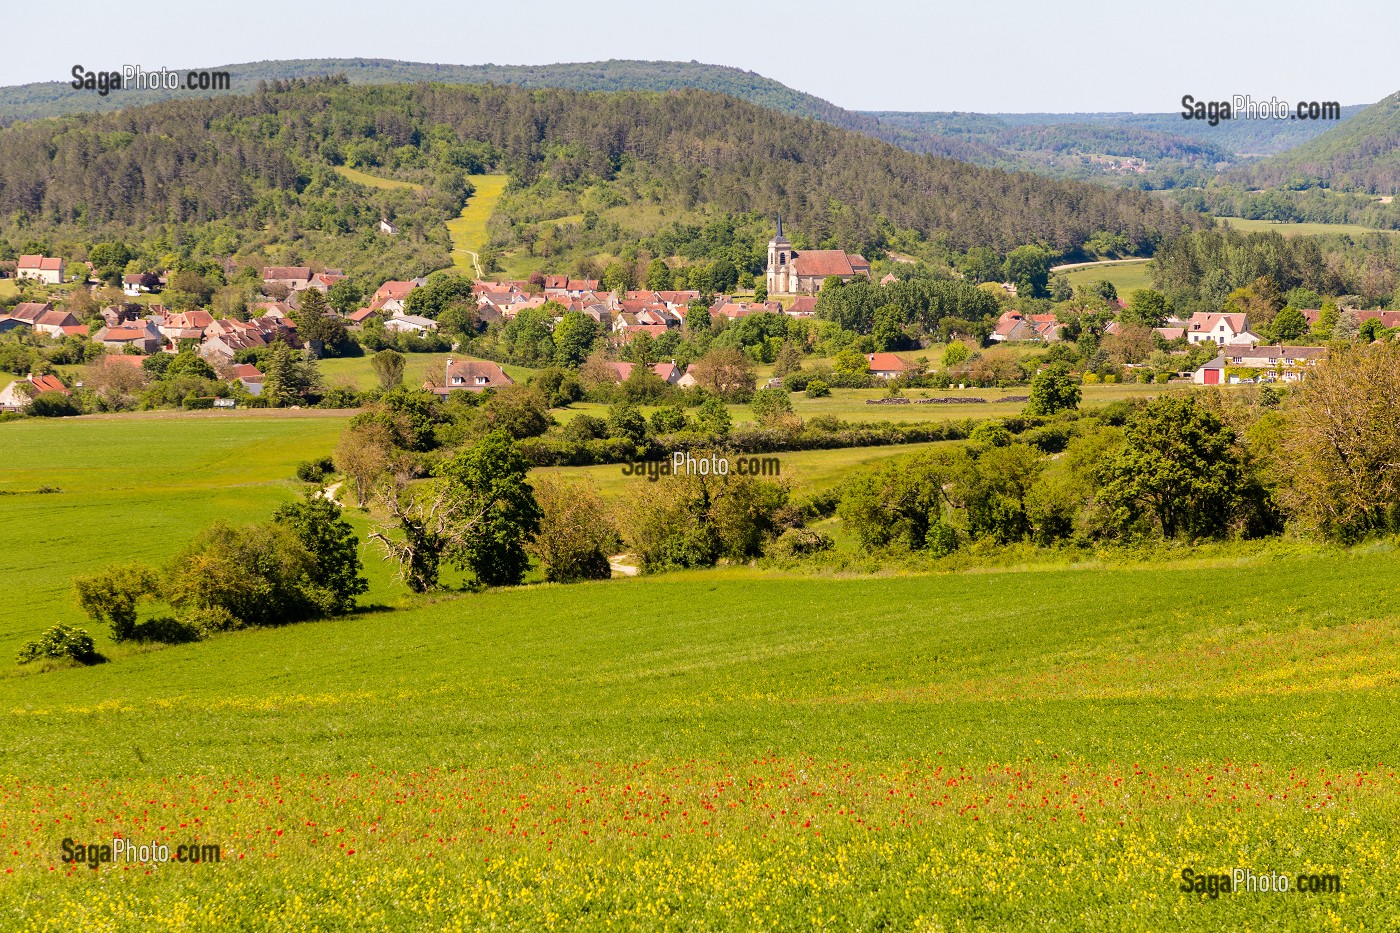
x: 143, y: 336
x: 18, y: 394
x: 388, y: 227
x: 1015, y: 326
x: 802, y: 306
x: 45, y: 269
x: 1272, y: 363
x: 472, y: 376
x: 622, y: 371
x: 792, y: 271
x: 135, y: 283
x: 411, y: 324
x: 293, y: 278
x: 885, y: 365
x: 57, y: 324
x: 1223, y: 329
x: 249, y: 377
x: 390, y: 296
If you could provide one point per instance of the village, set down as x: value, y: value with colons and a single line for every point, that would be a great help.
x: 134, y: 329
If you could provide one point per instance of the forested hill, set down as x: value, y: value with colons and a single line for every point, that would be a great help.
x: 263, y: 161
x: 1361, y: 154
x: 55, y: 98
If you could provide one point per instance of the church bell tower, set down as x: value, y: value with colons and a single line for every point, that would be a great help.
x: 779, y: 262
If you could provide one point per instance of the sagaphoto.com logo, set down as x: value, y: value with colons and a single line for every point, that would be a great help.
x: 136, y: 78
x: 1244, y: 107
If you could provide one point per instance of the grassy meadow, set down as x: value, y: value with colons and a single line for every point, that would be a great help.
x: 1125, y: 274
x: 374, y: 181
x: 1299, y: 229
x: 741, y: 749
x: 1011, y: 747
x: 468, y: 231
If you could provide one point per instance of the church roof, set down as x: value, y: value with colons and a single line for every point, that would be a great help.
x: 823, y: 262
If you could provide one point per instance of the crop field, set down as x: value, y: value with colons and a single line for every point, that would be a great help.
x: 468, y: 231
x: 1126, y: 275
x: 741, y: 749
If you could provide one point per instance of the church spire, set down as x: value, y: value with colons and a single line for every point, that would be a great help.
x: 780, y: 227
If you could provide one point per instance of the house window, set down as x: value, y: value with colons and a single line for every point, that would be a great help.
x: 482, y: 380
x: 457, y: 380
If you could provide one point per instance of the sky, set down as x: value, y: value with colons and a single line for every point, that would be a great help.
x: 896, y: 55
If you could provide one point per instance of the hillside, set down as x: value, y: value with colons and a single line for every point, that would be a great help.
x: 259, y: 169
x: 54, y: 98
x: 1047, y: 143
x: 1361, y: 154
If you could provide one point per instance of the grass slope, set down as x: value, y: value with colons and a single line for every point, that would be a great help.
x: 135, y: 488
x: 374, y: 181
x: 1299, y: 229
x: 468, y: 230
x: 1125, y: 275
x: 736, y: 749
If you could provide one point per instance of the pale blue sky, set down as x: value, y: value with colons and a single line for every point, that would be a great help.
x: 896, y: 55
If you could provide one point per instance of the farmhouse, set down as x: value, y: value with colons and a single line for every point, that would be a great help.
x: 792, y: 271
x: 18, y: 394
x: 885, y: 365
x: 294, y: 278
x: 45, y: 269
x: 471, y: 375
x: 1270, y: 363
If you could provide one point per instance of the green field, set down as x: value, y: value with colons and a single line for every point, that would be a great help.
x: 1125, y: 275
x: 736, y: 749
x: 1299, y: 229
x: 469, y: 234
x: 374, y: 181
x: 1048, y: 743
x: 135, y: 487
x: 356, y: 371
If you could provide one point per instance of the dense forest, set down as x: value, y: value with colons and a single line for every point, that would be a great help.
x: 1361, y: 154
x: 1201, y: 271
x: 1178, y: 152
x: 257, y: 170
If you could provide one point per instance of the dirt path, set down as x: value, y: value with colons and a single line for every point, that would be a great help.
x: 621, y: 569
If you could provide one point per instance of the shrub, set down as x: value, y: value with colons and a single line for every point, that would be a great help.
x: 53, y: 405
x: 800, y: 542
x: 61, y: 641
x: 1162, y: 379
x: 993, y: 433
x: 817, y: 389
x: 1091, y: 379
x: 314, y: 471
x: 166, y: 630
x: 576, y: 535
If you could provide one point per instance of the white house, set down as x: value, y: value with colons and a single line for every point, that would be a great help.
x: 46, y: 269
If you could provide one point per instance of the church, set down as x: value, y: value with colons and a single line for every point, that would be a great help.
x: 802, y: 272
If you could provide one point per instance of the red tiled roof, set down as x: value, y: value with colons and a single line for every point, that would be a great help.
x: 291, y: 273
x: 48, y: 384
x: 823, y: 262
x: 885, y: 363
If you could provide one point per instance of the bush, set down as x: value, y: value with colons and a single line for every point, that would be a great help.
x: 799, y: 542
x: 817, y: 389
x: 166, y: 630
x: 315, y: 471
x: 61, y: 641
x: 1091, y: 379
x: 53, y: 405
x: 993, y: 433
x: 1162, y: 378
